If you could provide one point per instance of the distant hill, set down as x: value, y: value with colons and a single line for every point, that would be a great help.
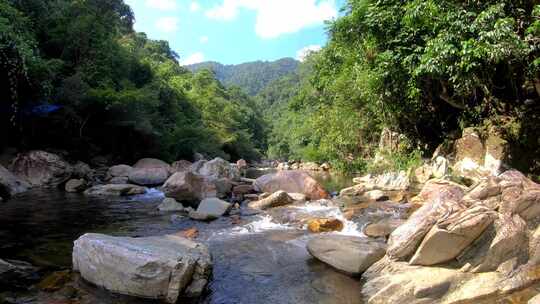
x: 250, y: 76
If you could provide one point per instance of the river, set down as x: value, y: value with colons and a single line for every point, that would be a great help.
x: 258, y: 258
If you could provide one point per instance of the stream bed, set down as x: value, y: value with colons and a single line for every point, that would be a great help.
x: 256, y: 259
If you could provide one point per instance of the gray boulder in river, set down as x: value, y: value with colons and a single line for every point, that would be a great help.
x: 160, y: 267
x: 41, y: 169
x: 349, y: 254
x: 10, y: 184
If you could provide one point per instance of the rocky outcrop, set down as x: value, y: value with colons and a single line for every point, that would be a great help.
x: 293, y: 182
x: 369, y: 188
x: 349, y: 254
x: 115, y: 190
x: 382, y: 228
x: 162, y: 267
x: 41, y: 169
x: 10, y: 184
x: 486, y: 243
x: 279, y: 198
x: 181, y: 166
x: 189, y: 186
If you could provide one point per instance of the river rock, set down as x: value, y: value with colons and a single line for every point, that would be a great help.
x: 292, y: 181
x: 382, y: 228
x: 279, y: 198
x: 223, y: 186
x: 119, y: 171
x: 115, y: 190
x: 147, y: 163
x: 41, y: 169
x: 310, y: 166
x: 119, y: 180
x: 199, y: 216
x: 10, y: 184
x: 213, y: 207
x: 242, y: 189
x: 181, y: 166
x: 219, y: 168
x: 189, y: 186
x: 160, y: 267
x: 319, y: 225
x: 82, y: 170
x: 149, y: 176
x: 170, y: 204
x: 75, y: 185
x: 350, y: 254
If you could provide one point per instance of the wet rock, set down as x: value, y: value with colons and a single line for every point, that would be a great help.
x: 292, y: 182
x: 170, y: 205
x: 382, y: 228
x: 16, y: 274
x: 350, y: 254
x: 279, y: 198
x: 319, y: 225
x: 149, y: 176
x: 75, y: 185
x: 189, y: 186
x: 55, y: 281
x: 181, y: 166
x: 115, y: 190
x: 41, y: 169
x: 161, y: 267
x: 213, y: 207
x: 10, y: 184
x: 119, y: 171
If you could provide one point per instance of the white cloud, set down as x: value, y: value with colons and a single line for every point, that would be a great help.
x: 167, y: 24
x: 162, y: 4
x: 193, y: 58
x: 302, y: 53
x: 194, y: 6
x: 277, y: 17
x: 203, y: 39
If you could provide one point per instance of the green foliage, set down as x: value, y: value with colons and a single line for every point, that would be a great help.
x: 115, y: 90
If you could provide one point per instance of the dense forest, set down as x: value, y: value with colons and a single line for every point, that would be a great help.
x: 250, y: 76
x: 78, y: 77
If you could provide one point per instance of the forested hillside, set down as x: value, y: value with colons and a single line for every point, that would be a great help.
x: 426, y: 69
x: 76, y: 77
x: 250, y: 76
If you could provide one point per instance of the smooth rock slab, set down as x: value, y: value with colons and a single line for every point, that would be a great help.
x: 161, y: 267
x: 350, y: 254
x: 115, y: 190
x: 213, y: 207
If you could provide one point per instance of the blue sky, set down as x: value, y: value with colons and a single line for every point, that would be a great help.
x: 236, y: 31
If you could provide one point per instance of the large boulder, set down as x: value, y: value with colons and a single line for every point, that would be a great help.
x: 277, y: 199
x: 181, y: 166
x: 41, y: 169
x: 147, y: 163
x: 189, y: 186
x: 292, y: 181
x: 148, y: 176
x: 219, y: 168
x: 161, y: 267
x: 10, y: 184
x: 75, y: 185
x: 115, y: 190
x: 213, y: 207
x: 349, y: 254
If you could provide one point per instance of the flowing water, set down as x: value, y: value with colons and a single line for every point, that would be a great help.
x: 258, y: 258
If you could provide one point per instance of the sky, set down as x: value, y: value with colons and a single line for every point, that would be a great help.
x: 236, y: 31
